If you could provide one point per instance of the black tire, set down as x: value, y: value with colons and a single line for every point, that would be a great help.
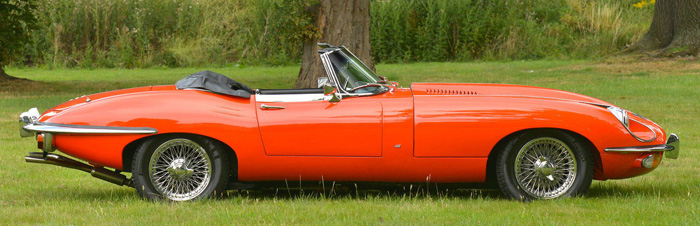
x: 175, y: 177
x: 529, y: 155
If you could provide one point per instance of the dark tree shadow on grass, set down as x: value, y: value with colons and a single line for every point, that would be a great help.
x: 20, y: 85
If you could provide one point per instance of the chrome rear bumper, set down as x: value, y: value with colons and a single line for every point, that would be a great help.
x: 39, y: 127
x: 25, y: 118
x: 29, y: 126
x: 671, y: 148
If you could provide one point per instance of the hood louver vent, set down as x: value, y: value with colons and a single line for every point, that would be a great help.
x: 450, y: 92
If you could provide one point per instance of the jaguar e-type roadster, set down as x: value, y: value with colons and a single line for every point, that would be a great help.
x: 208, y: 133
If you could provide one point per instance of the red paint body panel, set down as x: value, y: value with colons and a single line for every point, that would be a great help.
x: 228, y: 119
x: 502, y: 90
x: 100, y: 150
x: 444, y: 130
x: 305, y: 128
x: 436, y: 132
x: 394, y: 165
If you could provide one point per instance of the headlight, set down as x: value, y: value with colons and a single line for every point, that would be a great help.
x: 621, y: 115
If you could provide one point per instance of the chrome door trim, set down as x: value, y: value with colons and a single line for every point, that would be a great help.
x: 263, y: 106
x: 271, y: 98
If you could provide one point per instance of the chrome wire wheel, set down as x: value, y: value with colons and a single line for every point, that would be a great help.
x: 545, y: 168
x: 180, y: 169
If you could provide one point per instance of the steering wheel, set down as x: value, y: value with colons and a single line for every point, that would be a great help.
x: 365, y: 86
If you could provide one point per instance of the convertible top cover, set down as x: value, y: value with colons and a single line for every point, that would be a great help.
x: 214, y: 82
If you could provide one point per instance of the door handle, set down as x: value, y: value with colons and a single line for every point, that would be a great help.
x: 264, y: 107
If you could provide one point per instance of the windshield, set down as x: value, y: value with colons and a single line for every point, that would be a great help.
x: 352, y: 73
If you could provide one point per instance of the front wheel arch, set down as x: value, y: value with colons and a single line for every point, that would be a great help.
x: 491, y: 161
x: 544, y: 164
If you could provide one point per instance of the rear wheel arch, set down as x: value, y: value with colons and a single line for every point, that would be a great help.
x: 493, y: 155
x: 130, y: 150
x: 182, y: 167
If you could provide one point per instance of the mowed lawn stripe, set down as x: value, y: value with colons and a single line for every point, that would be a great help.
x: 667, y: 92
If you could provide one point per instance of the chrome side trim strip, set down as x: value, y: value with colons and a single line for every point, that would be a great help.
x: 82, y: 129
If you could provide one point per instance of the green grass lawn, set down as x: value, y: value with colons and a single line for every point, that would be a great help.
x: 667, y: 92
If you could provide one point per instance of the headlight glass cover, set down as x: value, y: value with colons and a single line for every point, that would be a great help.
x: 621, y: 115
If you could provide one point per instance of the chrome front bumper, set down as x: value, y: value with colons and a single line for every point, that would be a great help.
x: 671, y: 149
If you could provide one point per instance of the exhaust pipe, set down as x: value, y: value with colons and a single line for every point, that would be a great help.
x: 98, y: 172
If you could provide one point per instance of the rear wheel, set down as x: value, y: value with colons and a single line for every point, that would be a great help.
x: 544, y: 165
x: 180, y: 168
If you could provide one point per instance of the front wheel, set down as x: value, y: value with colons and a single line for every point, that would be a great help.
x: 544, y: 165
x: 180, y: 168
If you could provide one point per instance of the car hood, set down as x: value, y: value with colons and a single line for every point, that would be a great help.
x: 475, y: 89
x: 86, y: 99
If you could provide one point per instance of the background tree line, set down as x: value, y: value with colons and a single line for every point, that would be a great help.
x: 171, y: 33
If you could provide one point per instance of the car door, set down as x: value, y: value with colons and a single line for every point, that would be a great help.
x: 307, y: 125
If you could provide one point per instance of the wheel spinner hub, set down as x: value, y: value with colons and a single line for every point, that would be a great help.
x: 544, y: 168
x: 179, y: 170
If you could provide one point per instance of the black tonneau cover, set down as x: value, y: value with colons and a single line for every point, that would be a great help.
x: 214, y: 82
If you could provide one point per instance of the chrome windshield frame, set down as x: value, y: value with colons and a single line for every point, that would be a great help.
x: 333, y: 77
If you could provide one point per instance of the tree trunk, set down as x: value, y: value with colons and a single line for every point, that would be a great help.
x: 674, y: 30
x: 4, y: 76
x: 341, y: 22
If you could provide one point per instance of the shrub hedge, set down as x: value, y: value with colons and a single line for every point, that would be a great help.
x: 171, y: 33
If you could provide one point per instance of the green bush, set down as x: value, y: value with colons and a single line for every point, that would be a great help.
x: 172, y: 33
x: 425, y: 30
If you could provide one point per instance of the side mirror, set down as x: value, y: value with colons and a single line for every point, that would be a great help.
x: 332, y: 91
x: 321, y: 81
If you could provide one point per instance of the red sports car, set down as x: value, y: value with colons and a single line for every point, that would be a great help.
x: 207, y: 133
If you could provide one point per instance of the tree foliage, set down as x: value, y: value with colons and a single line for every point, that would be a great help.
x: 196, y: 33
x: 296, y: 18
x: 17, y: 20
